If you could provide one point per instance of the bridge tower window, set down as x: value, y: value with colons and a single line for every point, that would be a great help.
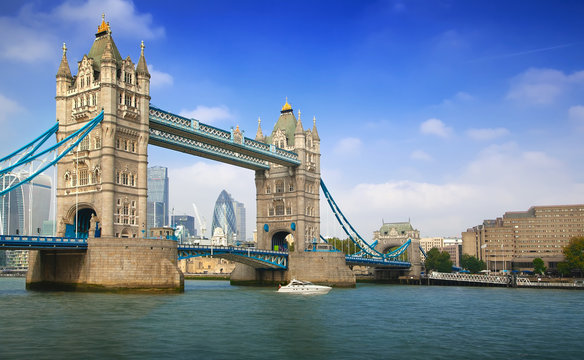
x: 279, y: 187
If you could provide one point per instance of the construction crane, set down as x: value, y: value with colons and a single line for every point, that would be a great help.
x: 202, y: 224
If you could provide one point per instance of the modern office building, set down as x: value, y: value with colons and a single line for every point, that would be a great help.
x: 188, y: 223
x: 513, y: 241
x: 224, y: 217
x: 157, y: 205
x: 23, y: 212
x: 240, y: 221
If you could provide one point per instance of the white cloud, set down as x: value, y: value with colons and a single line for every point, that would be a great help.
x: 501, y: 178
x: 348, y: 146
x: 420, y: 155
x: 207, y: 114
x: 159, y: 78
x: 36, y: 35
x: 487, y: 134
x: 121, y: 14
x: 542, y: 86
x: 8, y: 107
x: 435, y: 127
x: 576, y: 114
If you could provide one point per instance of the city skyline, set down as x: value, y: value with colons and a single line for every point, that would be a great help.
x: 444, y: 113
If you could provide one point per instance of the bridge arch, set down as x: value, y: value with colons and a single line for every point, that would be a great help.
x: 78, y: 222
x: 281, y: 240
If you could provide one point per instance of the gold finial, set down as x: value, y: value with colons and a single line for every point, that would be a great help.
x: 259, y: 121
x: 314, y: 120
x: 64, y: 49
x: 142, y: 47
x: 298, y: 114
x: 286, y: 105
x: 104, y: 26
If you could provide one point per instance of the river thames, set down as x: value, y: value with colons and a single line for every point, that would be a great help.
x: 214, y: 320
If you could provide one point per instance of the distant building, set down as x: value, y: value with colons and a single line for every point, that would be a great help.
x: 23, y: 212
x: 157, y: 205
x: 516, y: 239
x: 452, y: 246
x: 240, y: 221
x: 391, y: 235
x: 187, y: 221
x: 224, y: 216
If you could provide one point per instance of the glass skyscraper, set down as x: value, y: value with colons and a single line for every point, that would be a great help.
x: 23, y: 212
x: 157, y: 207
x: 224, y: 216
x: 240, y: 220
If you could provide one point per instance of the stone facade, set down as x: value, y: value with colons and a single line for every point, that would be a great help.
x: 513, y: 241
x: 392, y: 235
x: 103, y: 184
x: 288, y: 198
x: 108, y: 264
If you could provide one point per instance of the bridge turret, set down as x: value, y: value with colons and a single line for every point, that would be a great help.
x: 64, y: 82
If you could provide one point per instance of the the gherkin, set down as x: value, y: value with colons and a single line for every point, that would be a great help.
x: 224, y: 216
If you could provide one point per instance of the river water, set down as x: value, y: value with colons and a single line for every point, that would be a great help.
x: 214, y: 320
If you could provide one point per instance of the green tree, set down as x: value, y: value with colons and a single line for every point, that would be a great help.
x: 564, y: 268
x: 574, y: 254
x: 539, y: 266
x: 472, y: 263
x: 439, y: 261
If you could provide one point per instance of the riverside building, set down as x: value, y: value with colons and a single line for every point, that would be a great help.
x: 516, y: 239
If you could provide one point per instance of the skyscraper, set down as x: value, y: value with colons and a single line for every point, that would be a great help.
x: 157, y: 196
x: 22, y: 212
x: 224, y: 216
x: 24, y: 209
x: 239, y: 220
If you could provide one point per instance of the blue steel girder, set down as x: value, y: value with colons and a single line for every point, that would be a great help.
x: 19, y: 242
x: 191, y: 136
x: 379, y: 263
x: 259, y: 259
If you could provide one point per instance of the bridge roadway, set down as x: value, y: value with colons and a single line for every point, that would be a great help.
x: 257, y: 258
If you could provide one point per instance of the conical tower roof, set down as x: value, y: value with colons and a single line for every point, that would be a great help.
x: 314, y: 132
x: 102, y: 38
x: 64, y: 69
x: 286, y: 122
x: 142, y: 68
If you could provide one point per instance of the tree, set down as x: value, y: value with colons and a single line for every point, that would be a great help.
x: 574, y: 253
x: 539, y: 266
x: 439, y: 261
x: 472, y: 264
x: 564, y: 269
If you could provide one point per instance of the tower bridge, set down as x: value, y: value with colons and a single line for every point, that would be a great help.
x: 104, y: 114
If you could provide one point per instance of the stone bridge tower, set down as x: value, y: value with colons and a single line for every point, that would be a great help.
x: 288, y: 198
x: 102, y: 185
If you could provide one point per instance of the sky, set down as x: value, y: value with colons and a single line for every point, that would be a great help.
x: 443, y: 113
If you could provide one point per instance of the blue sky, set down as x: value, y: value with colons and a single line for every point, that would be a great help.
x: 442, y: 112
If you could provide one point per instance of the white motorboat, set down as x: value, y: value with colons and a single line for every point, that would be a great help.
x: 303, y: 287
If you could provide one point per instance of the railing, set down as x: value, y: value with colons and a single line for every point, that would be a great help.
x: 476, y: 278
x: 40, y: 242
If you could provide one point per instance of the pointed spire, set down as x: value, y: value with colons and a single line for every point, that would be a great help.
x: 64, y: 69
x: 299, y: 128
x: 314, y: 132
x: 142, y: 68
x: 259, y: 134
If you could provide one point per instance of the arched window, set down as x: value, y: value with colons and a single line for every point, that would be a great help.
x: 279, y: 187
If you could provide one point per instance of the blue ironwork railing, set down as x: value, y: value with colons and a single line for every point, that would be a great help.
x: 25, y: 242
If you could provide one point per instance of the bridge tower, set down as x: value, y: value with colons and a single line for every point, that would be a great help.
x: 105, y: 180
x: 102, y: 185
x: 288, y: 198
x: 288, y: 209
